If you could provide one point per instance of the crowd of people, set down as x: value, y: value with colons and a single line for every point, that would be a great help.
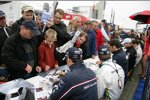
x: 26, y: 51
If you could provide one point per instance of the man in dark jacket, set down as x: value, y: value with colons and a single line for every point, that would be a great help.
x: 20, y: 52
x: 131, y: 56
x: 91, y: 43
x: 62, y: 35
x: 119, y: 56
x: 27, y: 14
x: 78, y: 84
x: 98, y: 33
x: 59, y: 27
x: 4, y: 32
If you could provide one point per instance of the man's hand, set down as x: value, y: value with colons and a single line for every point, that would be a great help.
x: 28, y: 68
x: 50, y: 23
x: 47, y: 68
x: 56, y: 66
x: 93, y: 56
x: 98, y: 62
x: 38, y: 69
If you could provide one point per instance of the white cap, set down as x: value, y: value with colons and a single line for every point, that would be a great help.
x: 27, y: 8
x: 126, y: 40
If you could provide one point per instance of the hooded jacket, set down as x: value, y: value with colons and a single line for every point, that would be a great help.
x: 46, y: 56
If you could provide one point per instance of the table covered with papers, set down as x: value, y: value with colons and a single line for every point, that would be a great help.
x: 42, y: 84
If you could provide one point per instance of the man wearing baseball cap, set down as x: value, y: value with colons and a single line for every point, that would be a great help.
x: 27, y: 14
x: 131, y: 56
x: 4, y: 34
x: 78, y: 84
x: 20, y: 51
x: 110, y: 76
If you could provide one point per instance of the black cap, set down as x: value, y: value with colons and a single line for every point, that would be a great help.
x: 30, y: 24
x: 104, y: 21
x: 74, y: 53
x: 2, y: 14
x: 3, y: 72
x: 103, y: 50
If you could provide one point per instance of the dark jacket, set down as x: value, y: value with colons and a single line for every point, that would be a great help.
x: 62, y: 38
x: 62, y: 35
x: 79, y: 84
x: 3, y: 38
x: 120, y: 58
x: 14, y: 55
x: 131, y: 53
x: 16, y: 26
x: 91, y: 43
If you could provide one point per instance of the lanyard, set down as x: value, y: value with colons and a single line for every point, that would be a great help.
x: 6, y: 31
x: 116, y: 70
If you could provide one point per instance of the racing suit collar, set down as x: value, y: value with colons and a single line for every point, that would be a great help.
x: 77, y: 66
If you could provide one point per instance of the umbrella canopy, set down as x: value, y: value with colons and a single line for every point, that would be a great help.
x: 143, y: 16
x: 68, y: 16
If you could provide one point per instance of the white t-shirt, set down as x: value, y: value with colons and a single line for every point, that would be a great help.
x: 108, y: 79
x: 139, y: 54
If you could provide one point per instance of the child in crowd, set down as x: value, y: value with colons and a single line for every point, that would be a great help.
x: 47, y: 58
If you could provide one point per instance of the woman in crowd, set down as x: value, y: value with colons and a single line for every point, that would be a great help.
x: 146, y: 54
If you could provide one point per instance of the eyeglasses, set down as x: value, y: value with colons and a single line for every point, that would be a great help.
x: 58, y: 17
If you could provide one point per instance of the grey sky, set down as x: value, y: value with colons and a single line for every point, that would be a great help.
x: 123, y: 9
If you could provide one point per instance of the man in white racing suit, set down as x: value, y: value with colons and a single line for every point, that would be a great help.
x: 110, y: 76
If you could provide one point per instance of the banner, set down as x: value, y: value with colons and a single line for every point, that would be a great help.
x: 48, y: 13
x: 104, y: 33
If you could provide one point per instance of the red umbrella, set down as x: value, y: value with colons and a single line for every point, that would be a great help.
x: 143, y: 16
x: 68, y: 16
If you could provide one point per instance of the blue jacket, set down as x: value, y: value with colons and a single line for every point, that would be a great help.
x: 120, y: 58
x: 91, y: 44
x: 79, y: 84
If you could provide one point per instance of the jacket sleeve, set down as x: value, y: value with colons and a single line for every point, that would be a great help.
x: 14, y: 28
x: 61, y: 90
x: 103, y: 81
x: 93, y: 44
x: 132, y: 58
x: 41, y: 57
x: 101, y: 38
x: 61, y: 34
x: 8, y: 54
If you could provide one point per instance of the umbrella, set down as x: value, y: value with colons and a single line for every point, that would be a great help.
x: 68, y: 16
x: 143, y: 16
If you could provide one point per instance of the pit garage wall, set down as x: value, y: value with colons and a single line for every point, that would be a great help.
x: 12, y: 10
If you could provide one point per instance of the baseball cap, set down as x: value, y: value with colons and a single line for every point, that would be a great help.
x: 126, y: 40
x: 30, y: 24
x: 104, y: 21
x: 73, y: 53
x: 103, y: 50
x: 3, y: 72
x: 2, y: 14
x: 27, y: 8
